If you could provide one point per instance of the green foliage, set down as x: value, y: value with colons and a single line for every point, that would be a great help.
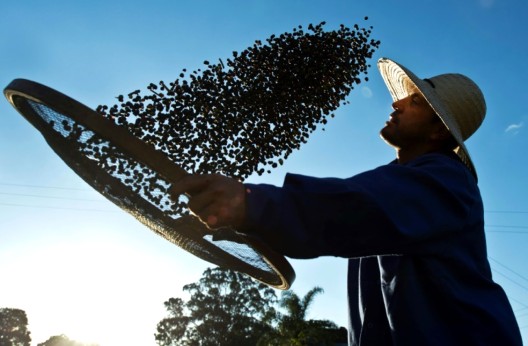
x: 225, y: 308
x: 228, y: 308
x: 13, y: 328
x: 172, y: 328
x: 62, y: 340
x: 294, y: 330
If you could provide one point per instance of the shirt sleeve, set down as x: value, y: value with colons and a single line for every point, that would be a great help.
x: 394, y: 209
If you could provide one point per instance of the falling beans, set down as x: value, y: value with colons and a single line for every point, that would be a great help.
x: 249, y: 114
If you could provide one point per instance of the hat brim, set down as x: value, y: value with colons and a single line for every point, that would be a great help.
x: 401, y: 82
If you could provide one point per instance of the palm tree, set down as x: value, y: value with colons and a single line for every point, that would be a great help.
x: 294, y: 330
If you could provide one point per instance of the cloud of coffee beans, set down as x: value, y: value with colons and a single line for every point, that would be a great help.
x: 249, y: 114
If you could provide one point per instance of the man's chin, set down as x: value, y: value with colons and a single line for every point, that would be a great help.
x: 385, y: 135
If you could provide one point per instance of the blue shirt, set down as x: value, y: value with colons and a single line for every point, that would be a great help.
x: 414, y: 237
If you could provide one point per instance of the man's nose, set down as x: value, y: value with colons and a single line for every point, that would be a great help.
x: 397, y: 105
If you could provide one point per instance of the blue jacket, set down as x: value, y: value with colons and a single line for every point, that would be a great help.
x: 414, y: 237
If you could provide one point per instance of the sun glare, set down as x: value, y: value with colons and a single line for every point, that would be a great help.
x: 94, y: 290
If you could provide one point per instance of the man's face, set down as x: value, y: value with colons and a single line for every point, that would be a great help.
x: 411, y: 124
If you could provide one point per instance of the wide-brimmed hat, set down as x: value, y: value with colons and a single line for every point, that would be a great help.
x: 455, y: 98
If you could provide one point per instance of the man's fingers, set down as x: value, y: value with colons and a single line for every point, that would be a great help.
x: 217, y: 200
x: 201, y: 200
x: 215, y: 215
x: 189, y: 184
x: 209, y: 216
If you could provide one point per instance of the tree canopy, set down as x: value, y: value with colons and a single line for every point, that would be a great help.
x: 229, y: 308
x: 225, y: 308
x: 13, y: 328
x: 62, y: 340
x: 293, y: 328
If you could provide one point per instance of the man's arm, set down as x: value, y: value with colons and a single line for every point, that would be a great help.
x: 418, y: 208
x: 396, y: 209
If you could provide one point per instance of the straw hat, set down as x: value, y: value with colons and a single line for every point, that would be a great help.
x: 456, y: 99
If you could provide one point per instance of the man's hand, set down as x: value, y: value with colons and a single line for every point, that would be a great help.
x: 217, y: 200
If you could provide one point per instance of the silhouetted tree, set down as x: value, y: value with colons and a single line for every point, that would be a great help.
x: 62, y: 340
x: 13, y: 328
x: 225, y: 308
x: 294, y: 330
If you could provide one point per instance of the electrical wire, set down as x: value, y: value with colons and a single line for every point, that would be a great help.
x: 521, y: 229
x: 45, y: 187
x: 57, y: 208
x: 509, y: 269
x: 50, y: 197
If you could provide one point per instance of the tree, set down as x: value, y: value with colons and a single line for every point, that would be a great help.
x: 225, y: 308
x: 62, y: 340
x: 294, y: 330
x: 13, y: 328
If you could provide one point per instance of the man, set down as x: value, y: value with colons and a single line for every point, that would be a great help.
x: 413, y: 230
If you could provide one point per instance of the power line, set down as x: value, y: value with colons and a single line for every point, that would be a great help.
x: 521, y: 309
x: 515, y: 282
x: 88, y: 190
x: 61, y: 188
x: 45, y: 187
x: 523, y: 228
x: 509, y: 269
x: 507, y: 226
x: 511, y: 280
x: 522, y: 315
x: 505, y: 232
x: 50, y: 197
x: 84, y: 189
x: 524, y: 306
x: 518, y: 302
x: 505, y: 212
x: 58, y: 208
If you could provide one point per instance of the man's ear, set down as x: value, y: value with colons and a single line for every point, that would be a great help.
x: 440, y: 132
x: 443, y: 138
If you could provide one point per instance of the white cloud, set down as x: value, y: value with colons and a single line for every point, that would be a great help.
x: 366, y: 92
x: 486, y: 3
x: 514, y: 128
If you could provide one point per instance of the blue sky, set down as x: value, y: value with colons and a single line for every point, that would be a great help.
x: 79, y: 266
